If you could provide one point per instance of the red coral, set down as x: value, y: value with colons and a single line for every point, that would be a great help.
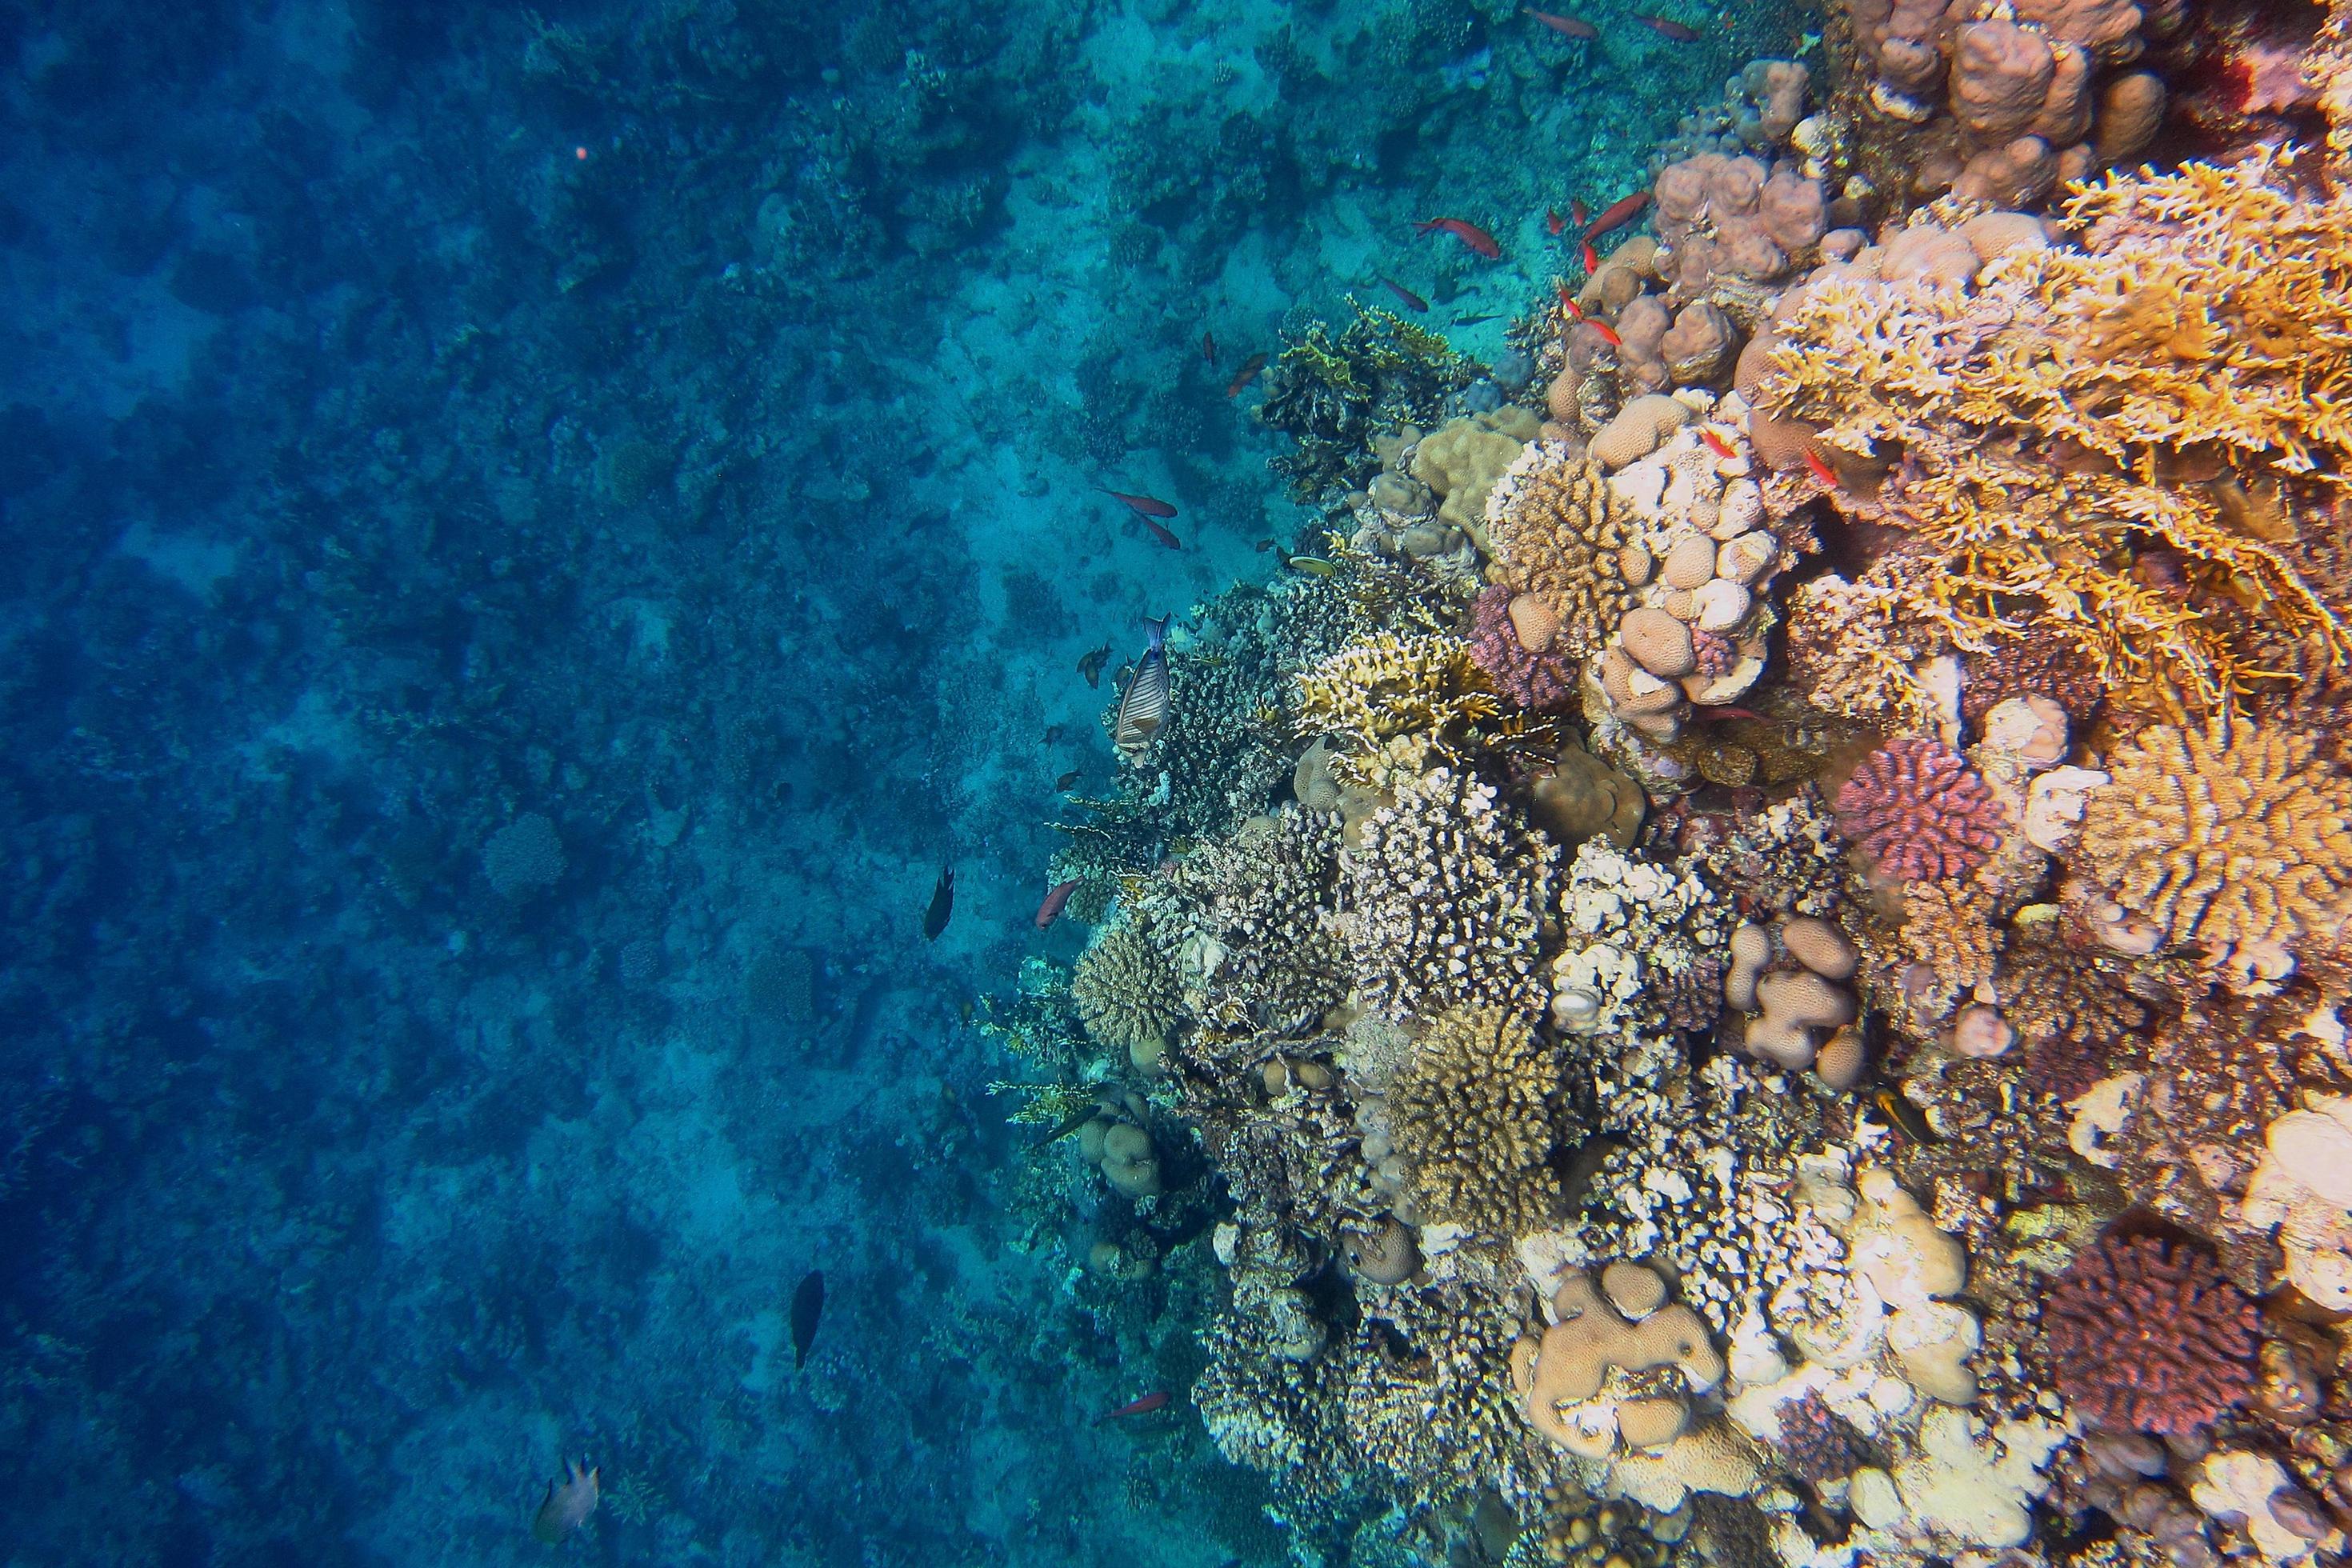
x: 2146, y: 1335
x: 1919, y: 811
x: 1818, y: 1444
x: 1717, y: 655
x: 1538, y: 681
x: 2034, y: 666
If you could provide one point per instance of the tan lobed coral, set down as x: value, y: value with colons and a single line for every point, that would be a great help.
x: 1581, y: 1383
x: 1561, y: 533
x: 1471, y: 1112
x: 1126, y: 992
x: 2234, y: 838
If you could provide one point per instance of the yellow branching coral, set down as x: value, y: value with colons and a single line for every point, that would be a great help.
x: 1469, y: 1112
x: 1386, y: 687
x: 1562, y: 534
x: 2180, y: 384
x: 2232, y: 838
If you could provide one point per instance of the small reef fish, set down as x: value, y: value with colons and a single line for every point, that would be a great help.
x: 1553, y: 222
x: 1568, y: 301
x: 1209, y: 347
x: 1723, y: 713
x: 1590, y: 256
x: 1904, y: 1115
x: 1567, y: 26
x: 1157, y: 1400
x: 1053, y: 733
x: 1161, y: 534
x: 1667, y: 28
x: 808, y: 1305
x: 1470, y: 234
x: 942, y: 905
x: 1617, y: 215
x: 1067, y: 779
x: 1608, y: 333
x: 1142, y: 506
x: 1578, y: 213
x: 1091, y: 664
x: 1716, y: 444
x: 1263, y: 546
x: 1819, y: 470
x: 1315, y: 565
x: 1248, y: 372
x: 1412, y: 301
x: 567, y: 1505
x: 1055, y: 897
x: 1143, y: 707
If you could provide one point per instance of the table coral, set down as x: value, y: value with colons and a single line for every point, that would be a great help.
x: 2230, y: 837
x: 2145, y: 1334
x: 1473, y: 1113
x: 1919, y: 811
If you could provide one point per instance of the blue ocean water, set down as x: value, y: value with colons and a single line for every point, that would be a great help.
x: 534, y: 535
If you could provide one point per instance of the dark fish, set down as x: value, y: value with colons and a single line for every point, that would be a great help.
x: 1248, y: 372
x: 1053, y: 733
x: 1067, y: 779
x: 1667, y: 28
x: 808, y: 1305
x: 1055, y: 897
x: 1142, y: 506
x: 1161, y: 534
x: 1209, y: 347
x: 1091, y: 666
x: 1567, y: 26
x: 1902, y: 1113
x: 1412, y: 301
x: 1143, y: 707
x: 1071, y: 1123
x: 568, y: 1504
x: 935, y: 919
x: 1474, y: 320
x: 1263, y: 546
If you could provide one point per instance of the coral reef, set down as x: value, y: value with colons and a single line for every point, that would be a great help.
x: 1126, y: 992
x: 1473, y: 1112
x: 2146, y: 1335
x: 1919, y: 812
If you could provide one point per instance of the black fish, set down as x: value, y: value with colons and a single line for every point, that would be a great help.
x: 1067, y: 779
x: 935, y: 919
x: 1053, y: 733
x: 1092, y: 665
x: 808, y: 1305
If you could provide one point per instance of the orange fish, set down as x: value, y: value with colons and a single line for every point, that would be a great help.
x: 1250, y: 367
x: 1716, y: 444
x: 1608, y: 333
x: 1143, y: 1407
x: 1568, y: 301
x: 1209, y: 347
x: 1567, y: 26
x: 1819, y: 470
x: 1142, y: 506
x: 1617, y: 215
x: 1667, y: 28
x: 1055, y: 898
x: 1553, y: 222
x: 1470, y: 234
x: 1576, y: 212
x: 1412, y: 301
x: 1590, y: 257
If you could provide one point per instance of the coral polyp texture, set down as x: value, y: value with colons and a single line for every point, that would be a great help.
x: 1919, y: 811
x: 2225, y: 836
x: 1471, y: 1112
x: 2147, y: 1335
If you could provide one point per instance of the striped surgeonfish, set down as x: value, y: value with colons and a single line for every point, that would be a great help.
x: 1143, y: 708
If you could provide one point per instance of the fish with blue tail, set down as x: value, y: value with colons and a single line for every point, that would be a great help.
x: 808, y: 1305
x: 942, y: 905
x: 1143, y: 707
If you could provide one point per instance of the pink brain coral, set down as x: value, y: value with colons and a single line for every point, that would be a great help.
x: 2147, y: 1335
x: 1919, y: 811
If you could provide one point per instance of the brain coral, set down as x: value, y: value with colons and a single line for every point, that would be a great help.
x: 1126, y: 992
x: 1469, y: 1113
x: 2229, y: 835
x: 1558, y: 533
x: 1446, y: 897
x: 2144, y: 1335
x: 1919, y: 811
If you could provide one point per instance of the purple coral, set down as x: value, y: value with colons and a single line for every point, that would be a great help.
x: 1538, y: 681
x: 2147, y: 1335
x: 1717, y: 655
x: 1919, y: 811
x: 1818, y: 1444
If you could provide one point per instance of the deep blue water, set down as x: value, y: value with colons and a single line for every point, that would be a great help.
x: 532, y: 536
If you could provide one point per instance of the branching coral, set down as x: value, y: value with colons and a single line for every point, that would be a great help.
x: 1919, y: 811
x: 2233, y: 837
x: 1240, y: 915
x: 1446, y: 897
x: 2166, y: 386
x: 2146, y: 1334
x: 1471, y: 1114
x: 1534, y: 680
x: 1385, y: 687
x: 1562, y: 534
x: 1126, y: 992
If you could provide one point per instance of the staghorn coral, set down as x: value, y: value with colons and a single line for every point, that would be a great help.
x: 2234, y: 838
x: 1919, y: 811
x: 1384, y: 687
x: 1471, y: 1109
x: 2145, y: 1334
x: 1856, y: 647
x: 1126, y: 992
x: 2078, y: 404
x: 1561, y: 532
x: 1948, y: 929
x: 1445, y: 896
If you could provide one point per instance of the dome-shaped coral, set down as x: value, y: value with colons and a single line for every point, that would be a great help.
x: 1126, y: 992
x: 1919, y: 811
x: 2145, y: 1334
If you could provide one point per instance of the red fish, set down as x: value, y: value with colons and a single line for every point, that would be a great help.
x: 1667, y: 28
x: 1055, y: 898
x: 1568, y: 301
x: 1553, y: 222
x: 1703, y: 713
x: 1567, y: 26
x: 1617, y: 215
x: 1142, y: 506
x: 1209, y: 347
x: 1716, y: 444
x: 1250, y: 367
x: 1819, y: 470
x: 1590, y: 257
x: 1608, y: 333
x: 1412, y: 301
x: 1143, y: 1407
x: 1577, y: 213
x: 1158, y: 532
x: 1469, y: 233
